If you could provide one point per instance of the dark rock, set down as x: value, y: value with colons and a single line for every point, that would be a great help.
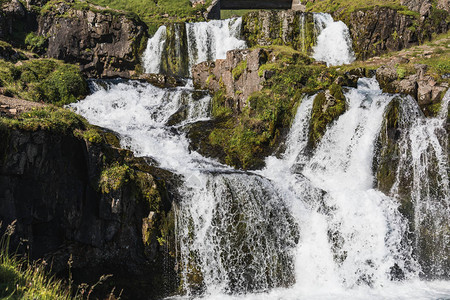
x: 103, y: 43
x: 162, y: 81
x: 381, y: 29
x: 49, y: 183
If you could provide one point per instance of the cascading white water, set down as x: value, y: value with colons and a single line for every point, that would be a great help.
x: 334, y: 44
x: 307, y: 225
x: 152, y: 54
x: 424, y: 164
x: 206, y: 41
x: 212, y: 40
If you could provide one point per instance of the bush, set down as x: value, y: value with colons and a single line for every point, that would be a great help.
x: 35, y: 43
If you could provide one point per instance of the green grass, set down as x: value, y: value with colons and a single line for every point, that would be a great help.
x: 54, y: 119
x: 43, y: 80
x: 348, y: 6
x: 22, y: 280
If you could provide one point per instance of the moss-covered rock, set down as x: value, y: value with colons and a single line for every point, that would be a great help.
x: 289, y: 28
x: 174, y: 59
x: 43, y: 80
x: 327, y: 107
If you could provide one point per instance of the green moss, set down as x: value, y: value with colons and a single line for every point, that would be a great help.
x: 239, y: 69
x: 48, y: 118
x: 219, y: 105
x: 92, y: 135
x: 324, y: 112
x: 114, y: 177
x: 46, y: 80
x: 149, y: 190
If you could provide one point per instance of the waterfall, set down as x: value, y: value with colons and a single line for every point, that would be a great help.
x: 334, y: 44
x: 152, y: 55
x: 423, y: 170
x: 311, y: 224
x: 212, y: 40
x: 206, y: 41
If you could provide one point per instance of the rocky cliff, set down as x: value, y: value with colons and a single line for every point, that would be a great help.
x: 383, y: 29
x: 75, y: 196
x: 374, y: 30
x: 104, y: 43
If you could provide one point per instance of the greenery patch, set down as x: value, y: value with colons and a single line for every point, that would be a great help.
x: 43, y: 80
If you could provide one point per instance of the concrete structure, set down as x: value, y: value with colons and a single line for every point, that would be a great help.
x: 217, y: 5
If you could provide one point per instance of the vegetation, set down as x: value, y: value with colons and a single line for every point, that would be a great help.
x: 21, y: 280
x: 158, y: 12
x: 35, y: 43
x: 348, y: 6
x: 43, y: 80
x: 248, y: 135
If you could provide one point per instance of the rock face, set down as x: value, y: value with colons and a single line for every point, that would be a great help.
x: 288, y: 27
x: 374, y: 31
x: 424, y: 88
x: 49, y: 184
x: 238, y: 74
x: 381, y: 29
x: 104, y: 43
x: 15, y: 20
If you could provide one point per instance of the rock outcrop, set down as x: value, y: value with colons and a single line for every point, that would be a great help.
x: 238, y: 74
x: 104, y: 43
x: 382, y: 29
x: 374, y: 31
x: 424, y: 88
x: 92, y: 203
x: 287, y: 27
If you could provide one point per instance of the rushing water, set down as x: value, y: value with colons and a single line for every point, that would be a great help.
x: 307, y: 226
x: 206, y: 41
x: 334, y: 44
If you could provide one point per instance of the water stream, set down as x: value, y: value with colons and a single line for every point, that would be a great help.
x: 307, y: 225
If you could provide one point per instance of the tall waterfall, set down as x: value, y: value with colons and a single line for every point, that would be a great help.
x: 206, y: 41
x: 334, y: 44
x: 307, y: 225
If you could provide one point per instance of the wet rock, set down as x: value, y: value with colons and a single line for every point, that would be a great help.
x: 162, y: 81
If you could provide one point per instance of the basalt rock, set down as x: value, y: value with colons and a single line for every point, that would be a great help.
x: 104, y: 43
x: 91, y: 203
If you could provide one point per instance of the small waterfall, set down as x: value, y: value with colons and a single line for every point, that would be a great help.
x: 206, y: 41
x: 334, y: 44
x: 155, y: 47
x: 212, y: 40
